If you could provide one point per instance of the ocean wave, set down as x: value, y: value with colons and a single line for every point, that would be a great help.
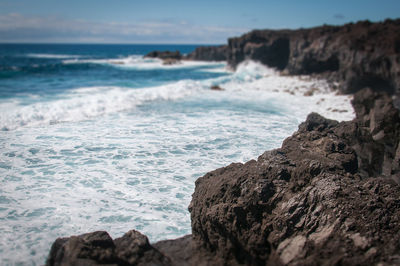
x: 141, y: 63
x: 52, y: 56
x: 85, y: 103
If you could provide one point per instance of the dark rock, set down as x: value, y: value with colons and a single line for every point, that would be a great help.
x: 164, y: 55
x: 209, y: 53
x: 357, y: 55
x: 98, y: 248
x: 216, y: 88
x: 311, y: 202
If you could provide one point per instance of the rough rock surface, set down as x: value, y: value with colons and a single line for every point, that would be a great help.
x: 98, y: 248
x: 328, y: 196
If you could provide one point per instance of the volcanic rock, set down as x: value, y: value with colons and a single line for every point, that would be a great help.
x: 209, y: 53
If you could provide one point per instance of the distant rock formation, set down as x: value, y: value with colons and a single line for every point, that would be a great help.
x: 355, y: 55
x: 168, y: 57
x: 165, y: 55
x: 209, y: 53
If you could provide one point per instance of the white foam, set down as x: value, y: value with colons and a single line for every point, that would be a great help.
x: 300, y: 93
x: 52, y: 56
x: 85, y: 103
x: 140, y: 62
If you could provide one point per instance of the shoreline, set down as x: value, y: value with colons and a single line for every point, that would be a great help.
x: 300, y: 204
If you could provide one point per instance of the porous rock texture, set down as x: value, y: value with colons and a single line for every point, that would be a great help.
x: 328, y: 196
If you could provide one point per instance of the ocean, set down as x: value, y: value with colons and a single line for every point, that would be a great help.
x: 96, y: 137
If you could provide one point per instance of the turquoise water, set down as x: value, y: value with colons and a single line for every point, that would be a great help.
x: 99, y: 138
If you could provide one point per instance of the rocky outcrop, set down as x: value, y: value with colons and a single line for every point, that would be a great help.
x: 209, y: 53
x: 328, y: 196
x: 356, y: 55
x: 168, y: 57
x: 165, y: 55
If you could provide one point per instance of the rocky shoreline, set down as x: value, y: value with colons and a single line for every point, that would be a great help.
x: 329, y: 196
x: 357, y: 55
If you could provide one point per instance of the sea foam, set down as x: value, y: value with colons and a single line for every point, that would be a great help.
x: 118, y: 158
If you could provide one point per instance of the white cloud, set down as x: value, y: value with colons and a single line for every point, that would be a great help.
x: 19, y: 28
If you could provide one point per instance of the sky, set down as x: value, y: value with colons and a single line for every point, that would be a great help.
x: 173, y: 21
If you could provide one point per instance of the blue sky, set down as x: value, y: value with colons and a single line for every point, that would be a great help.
x: 173, y: 21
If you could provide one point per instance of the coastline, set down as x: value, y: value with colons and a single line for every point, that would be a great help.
x: 327, y: 196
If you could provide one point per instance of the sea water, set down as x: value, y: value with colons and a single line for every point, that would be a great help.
x: 96, y: 137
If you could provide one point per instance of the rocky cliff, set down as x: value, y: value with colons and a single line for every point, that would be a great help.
x: 355, y: 55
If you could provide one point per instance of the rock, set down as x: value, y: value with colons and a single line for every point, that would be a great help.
x: 165, y: 55
x: 171, y: 61
x: 216, y: 88
x: 209, y: 53
x: 311, y: 202
x: 356, y: 55
x: 98, y: 248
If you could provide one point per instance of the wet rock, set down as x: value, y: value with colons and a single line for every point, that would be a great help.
x: 216, y: 88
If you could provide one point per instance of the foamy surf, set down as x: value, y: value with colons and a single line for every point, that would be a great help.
x: 53, y: 56
x: 140, y: 62
x: 86, y: 103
